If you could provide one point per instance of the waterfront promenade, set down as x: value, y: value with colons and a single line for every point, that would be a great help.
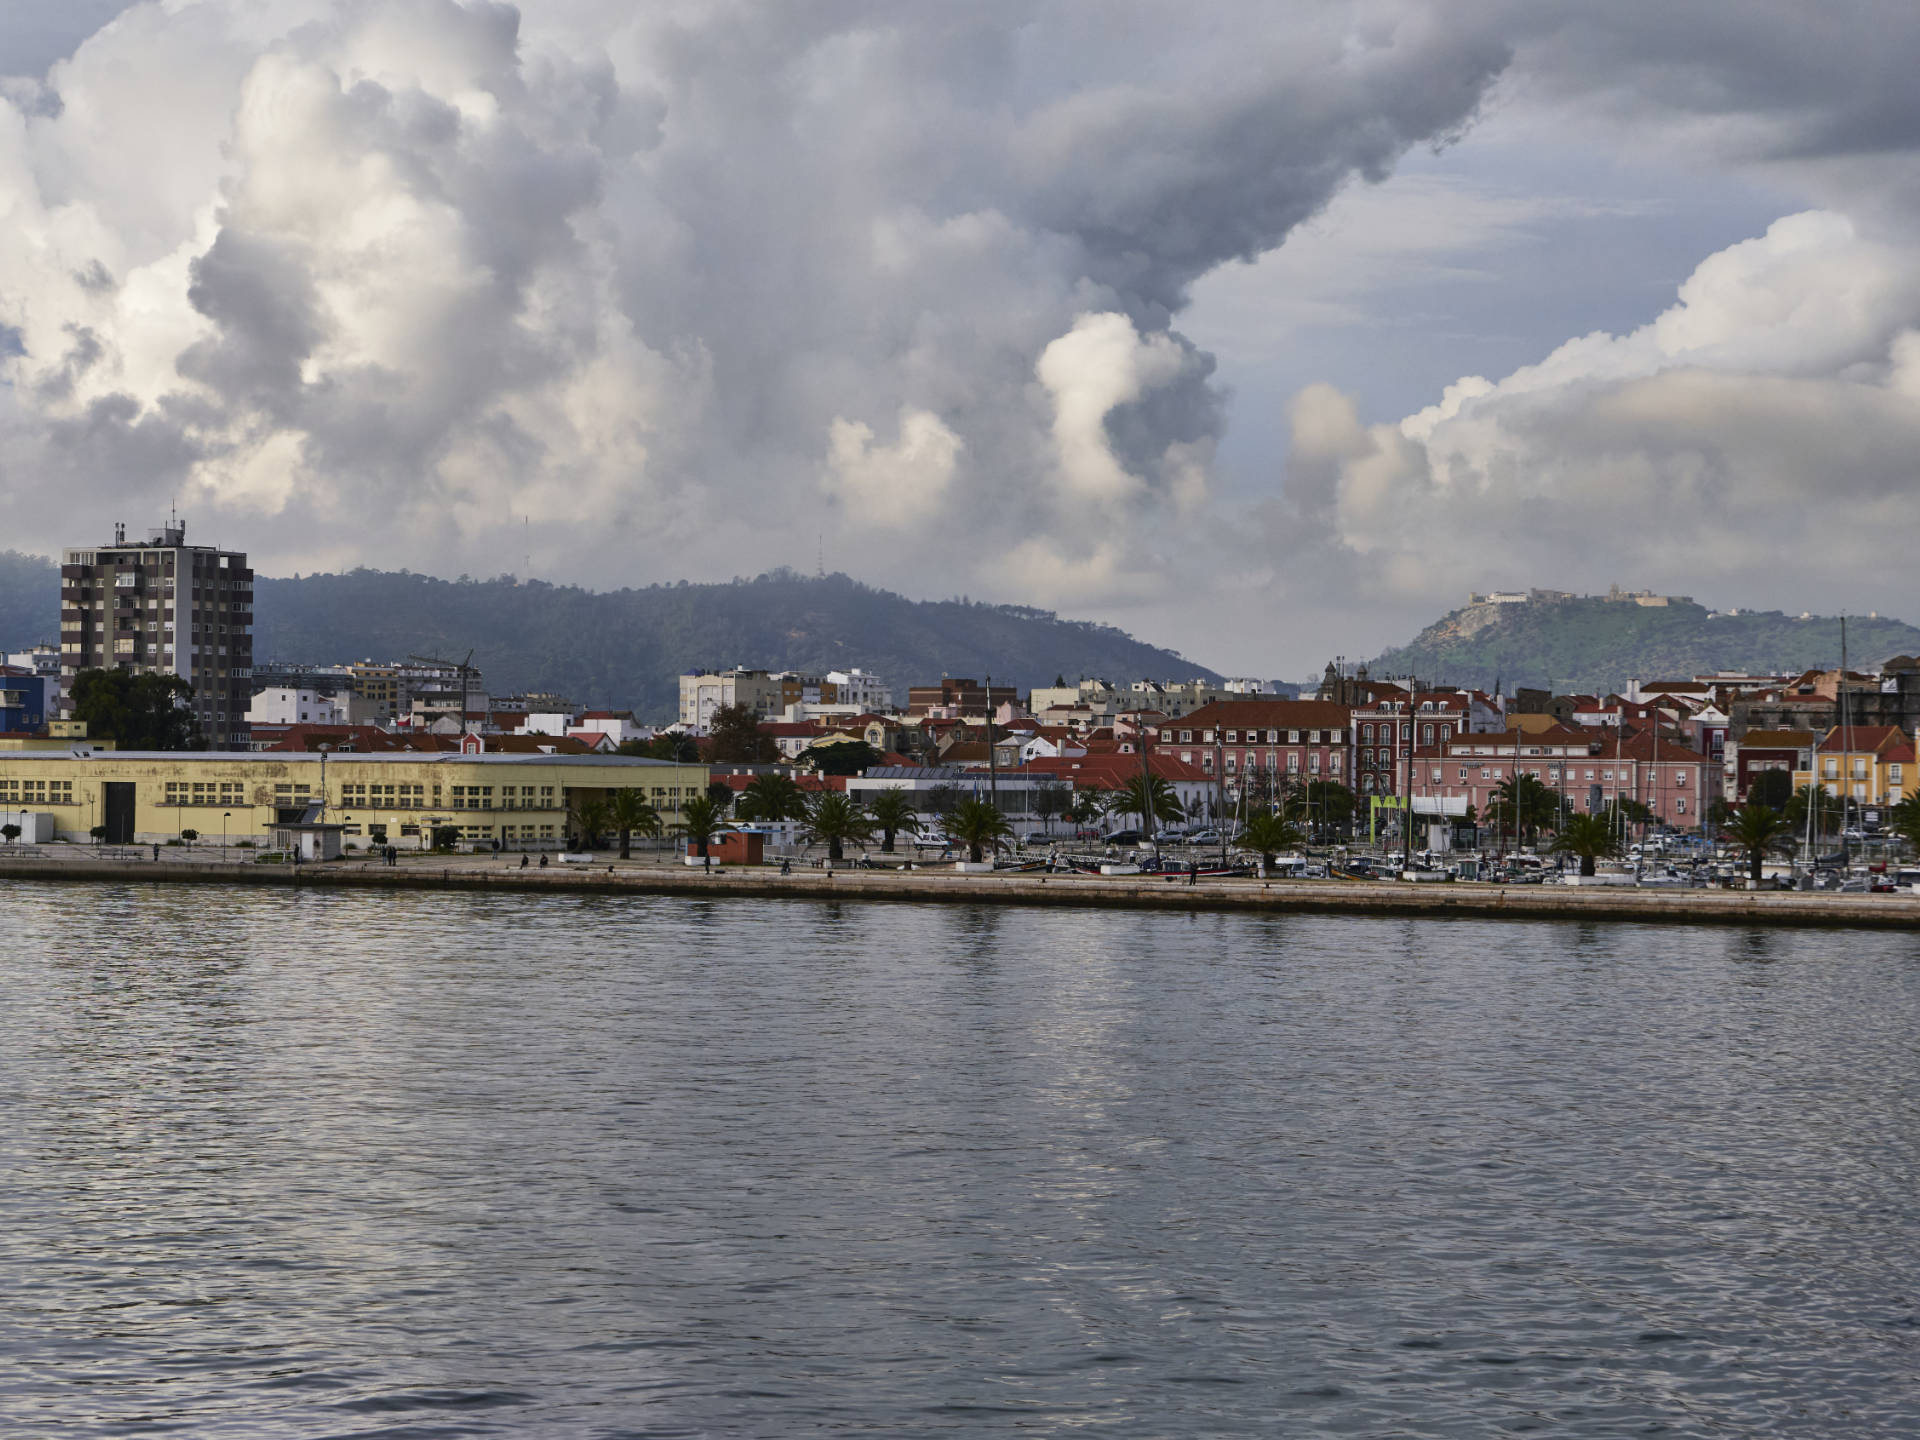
x: 651, y: 875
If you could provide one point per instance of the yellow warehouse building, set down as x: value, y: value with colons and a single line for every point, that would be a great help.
x: 397, y: 798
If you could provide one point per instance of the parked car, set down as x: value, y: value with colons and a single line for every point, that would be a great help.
x: 1203, y: 837
x: 1123, y: 837
x: 1036, y: 837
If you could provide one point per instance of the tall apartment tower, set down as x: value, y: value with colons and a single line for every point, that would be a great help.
x: 164, y: 607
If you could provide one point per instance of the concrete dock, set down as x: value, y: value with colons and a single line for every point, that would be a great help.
x: 650, y: 877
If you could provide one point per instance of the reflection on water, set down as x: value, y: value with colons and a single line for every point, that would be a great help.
x: 422, y: 1164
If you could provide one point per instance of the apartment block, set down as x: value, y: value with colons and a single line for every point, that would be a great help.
x: 164, y: 607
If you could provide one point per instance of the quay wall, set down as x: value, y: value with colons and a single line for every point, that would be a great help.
x: 1464, y: 899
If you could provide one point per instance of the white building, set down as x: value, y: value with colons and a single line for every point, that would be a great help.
x: 866, y: 693
x: 617, y: 725
x: 285, y: 705
x: 705, y: 691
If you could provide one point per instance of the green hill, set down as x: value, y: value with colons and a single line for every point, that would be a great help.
x: 628, y: 647
x: 29, y: 600
x: 1596, y: 646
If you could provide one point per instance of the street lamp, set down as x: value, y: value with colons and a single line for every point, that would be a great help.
x: 225, y: 816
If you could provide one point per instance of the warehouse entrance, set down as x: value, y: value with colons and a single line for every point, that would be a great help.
x: 119, y: 816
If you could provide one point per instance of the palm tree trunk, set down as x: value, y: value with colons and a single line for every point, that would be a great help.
x: 886, y: 842
x: 626, y: 844
x: 973, y: 853
x: 1753, y: 866
x: 1587, y: 864
x: 833, y: 850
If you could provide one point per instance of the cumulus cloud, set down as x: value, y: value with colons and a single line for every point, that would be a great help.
x: 440, y: 283
x: 407, y: 281
x: 1756, y: 435
x: 891, y: 487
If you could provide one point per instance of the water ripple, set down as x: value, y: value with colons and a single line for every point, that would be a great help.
x: 438, y: 1165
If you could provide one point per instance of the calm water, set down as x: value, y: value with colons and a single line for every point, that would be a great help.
x: 421, y: 1165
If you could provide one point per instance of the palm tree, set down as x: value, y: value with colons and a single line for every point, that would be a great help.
x: 1825, y: 807
x: 1588, y: 836
x: 772, y: 797
x: 976, y: 824
x: 892, y: 813
x: 629, y: 811
x: 1134, y: 797
x: 836, y: 818
x: 700, y: 821
x: 595, y: 819
x: 1267, y: 834
x: 1758, y: 829
x: 1904, y: 819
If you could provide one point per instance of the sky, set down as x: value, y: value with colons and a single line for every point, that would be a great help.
x: 1266, y: 332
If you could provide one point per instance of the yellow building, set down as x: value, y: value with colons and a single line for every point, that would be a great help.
x: 397, y: 798
x: 1865, y: 764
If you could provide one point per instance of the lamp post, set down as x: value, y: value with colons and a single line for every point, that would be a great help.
x: 225, y: 816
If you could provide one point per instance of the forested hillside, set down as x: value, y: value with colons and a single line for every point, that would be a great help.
x: 1598, y: 645
x: 628, y: 647
x: 29, y: 600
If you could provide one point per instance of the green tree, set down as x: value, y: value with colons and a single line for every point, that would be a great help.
x: 681, y: 749
x: 700, y: 821
x: 772, y: 798
x: 1267, y: 834
x: 1086, y: 807
x: 842, y: 757
x: 1758, y: 829
x: 1903, y: 819
x: 137, y: 712
x: 1589, y: 837
x: 1623, y: 811
x: 1825, y: 807
x: 1260, y: 788
x: 630, y: 812
x: 1142, y: 791
x: 893, y: 814
x: 836, y: 818
x: 99, y: 833
x: 944, y: 799
x: 1523, y: 807
x: 976, y: 824
x: 733, y: 737
x: 1326, y: 805
x: 1050, y: 801
x: 720, y: 793
x: 594, y: 818
x: 1771, y: 788
x: 189, y: 836
x: 11, y: 832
